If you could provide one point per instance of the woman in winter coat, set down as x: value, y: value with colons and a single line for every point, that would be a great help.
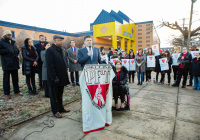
x: 140, y: 60
x: 157, y: 68
x: 195, y: 66
x: 44, y: 68
x: 149, y: 69
x: 119, y: 82
x: 29, y: 65
x: 131, y: 73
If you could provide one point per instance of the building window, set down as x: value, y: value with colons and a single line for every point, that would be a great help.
x: 148, y: 41
x: 139, y: 45
x: 148, y: 33
x: 139, y: 29
x: 139, y: 37
x: 139, y: 41
x: 148, y: 29
x: 148, y: 45
x: 139, y: 25
x: 147, y: 36
x: 13, y: 34
x: 139, y: 33
x: 147, y: 24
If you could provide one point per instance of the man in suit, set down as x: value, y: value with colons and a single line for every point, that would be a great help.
x: 88, y: 54
x: 57, y: 75
x: 39, y: 48
x: 74, y: 66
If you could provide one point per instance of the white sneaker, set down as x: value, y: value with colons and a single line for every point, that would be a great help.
x: 147, y: 82
x: 150, y: 82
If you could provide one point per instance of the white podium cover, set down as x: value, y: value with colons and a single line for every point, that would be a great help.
x: 96, y: 90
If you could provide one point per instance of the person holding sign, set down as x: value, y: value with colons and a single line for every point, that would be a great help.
x: 104, y: 57
x: 169, y: 61
x: 157, y: 68
x: 184, y: 61
x: 131, y: 73
x: 140, y: 60
x: 195, y: 69
x: 119, y: 82
x: 149, y: 69
x: 175, y: 66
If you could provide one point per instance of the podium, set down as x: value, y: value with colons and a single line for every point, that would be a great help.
x: 96, y: 90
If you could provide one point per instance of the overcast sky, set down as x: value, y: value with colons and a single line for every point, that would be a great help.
x: 76, y: 15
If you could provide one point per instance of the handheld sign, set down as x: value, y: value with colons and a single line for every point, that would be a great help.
x: 164, y: 64
x: 193, y: 53
x: 151, y: 61
x: 112, y: 61
x: 155, y: 49
x: 132, y: 65
x: 175, y: 58
x: 105, y: 58
x: 125, y: 63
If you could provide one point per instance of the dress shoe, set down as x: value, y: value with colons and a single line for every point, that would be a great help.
x: 7, y: 96
x: 73, y: 84
x: 141, y: 83
x: 19, y: 94
x: 65, y: 111
x: 175, y: 85
x: 40, y: 88
x: 183, y: 86
x: 35, y: 92
x: 138, y: 83
x: 189, y: 85
x: 58, y: 115
x: 77, y: 84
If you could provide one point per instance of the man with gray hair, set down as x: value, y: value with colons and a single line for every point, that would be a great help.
x: 10, y: 63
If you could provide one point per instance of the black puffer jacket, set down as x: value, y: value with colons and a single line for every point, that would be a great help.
x: 9, y: 55
x: 27, y: 60
x: 157, y: 68
x: 187, y: 60
x: 123, y: 76
x: 195, y: 67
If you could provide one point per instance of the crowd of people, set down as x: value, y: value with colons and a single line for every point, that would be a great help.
x: 52, y: 61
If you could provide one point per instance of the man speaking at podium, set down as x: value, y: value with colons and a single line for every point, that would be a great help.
x: 89, y: 54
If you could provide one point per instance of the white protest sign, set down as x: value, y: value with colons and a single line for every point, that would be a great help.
x: 175, y: 57
x: 105, y: 58
x: 132, y: 65
x: 164, y: 64
x: 155, y: 49
x: 125, y: 63
x: 112, y: 61
x: 193, y: 53
x: 151, y: 61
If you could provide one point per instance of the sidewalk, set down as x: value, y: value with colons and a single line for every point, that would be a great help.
x: 157, y: 113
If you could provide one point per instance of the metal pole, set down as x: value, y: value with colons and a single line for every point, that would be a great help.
x: 190, y: 23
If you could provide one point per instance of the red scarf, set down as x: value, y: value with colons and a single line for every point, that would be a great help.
x: 118, y: 75
x: 182, y: 58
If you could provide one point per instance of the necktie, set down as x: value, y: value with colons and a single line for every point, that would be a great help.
x: 90, y: 48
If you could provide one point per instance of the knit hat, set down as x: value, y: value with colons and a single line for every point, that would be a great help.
x: 7, y: 32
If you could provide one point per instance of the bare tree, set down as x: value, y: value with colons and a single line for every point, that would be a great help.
x: 184, y: 30
x: 1, y: 32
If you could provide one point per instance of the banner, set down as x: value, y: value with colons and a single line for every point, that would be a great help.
x: 112, y: 61
x: 105, y: 58
x: 132, y: 65
x: 125, y: 63
x: 151, y: 63
x: 96, y: 90
x: 193, y: 53
x: 175, y: 58
x: 164, y: 64
x: 155, y: 49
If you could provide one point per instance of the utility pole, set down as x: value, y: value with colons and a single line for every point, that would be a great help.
x: 190, y: 23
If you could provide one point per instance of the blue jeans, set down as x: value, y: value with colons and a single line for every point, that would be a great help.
x: 196, y: 83
x: 140, y: 74
x: 72, y: 77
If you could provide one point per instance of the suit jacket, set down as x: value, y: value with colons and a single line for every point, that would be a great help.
x: 72, y: 66
x: 56, y: 61
x: 84, y: 58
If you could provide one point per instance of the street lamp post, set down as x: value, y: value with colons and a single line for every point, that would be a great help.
x: 190, y: 23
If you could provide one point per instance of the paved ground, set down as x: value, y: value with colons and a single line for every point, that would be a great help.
x: 157, y: 113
